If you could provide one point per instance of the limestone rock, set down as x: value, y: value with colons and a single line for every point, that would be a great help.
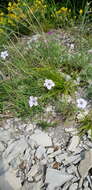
x: 55, y: 178
x: 41, y: 152
x: 74, y: 186
x: 8, y: 181
x: 2, y: 148
x: 14, y: 150
x: 85, y: 165
x: 74, y: 143
x: 42, y: 138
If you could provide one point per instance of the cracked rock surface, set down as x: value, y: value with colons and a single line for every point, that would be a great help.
x: 33, y: 159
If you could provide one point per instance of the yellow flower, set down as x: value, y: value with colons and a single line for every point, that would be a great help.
x: 1, y: 13
x: 81, y: 11
x: 63, y: 9
x: 9, y: 4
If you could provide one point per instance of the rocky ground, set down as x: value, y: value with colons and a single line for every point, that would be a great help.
x: 33, y: 159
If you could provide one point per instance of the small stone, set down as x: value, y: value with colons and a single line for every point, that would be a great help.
x: 89, y: 144
x: 4, y: 136
x: 56, y: 165
x: 54, y: 154
x: 74, y: 186
x: 72, y: 169
x: 89, y: 180
x: 29, y: 128
x: 72, y: 159
x: 43, y: 162
x: 50, y: 160
x: 61, y: 157
x: 85, y: 184
x: 22, y: 165
x: 30, y: 179
x: 50, y: 150
x: 33, y: 171
x: 71, y: 130
x: 38, y: 178
x: 42, y: 138
x: 2, y: 147
x: 32, y: 143
x: 78, y: 150
x: 56, y: 148
x: 87, y: 162
x: 40, y: 153
x: 74, y: 143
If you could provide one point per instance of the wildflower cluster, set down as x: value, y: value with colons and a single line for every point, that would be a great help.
x: 23, y: 14
x: 62, y: 15
x: 33, y: 100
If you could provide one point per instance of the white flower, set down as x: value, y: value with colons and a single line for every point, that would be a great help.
x: 4, y: 54
x: 49, y: 84
x: 81, y: 103
x: 72, y: 46
x: 33, y: 101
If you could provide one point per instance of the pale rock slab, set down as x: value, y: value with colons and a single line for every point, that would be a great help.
x: 61, y: 157
x: 72, y: 159
x: 74, y: 143
x: 41, y: 138
x: 14, y: 150
x: 55, y: 178
x: 4, y: 136
x: 40, y: 153
x: 85, y: 165
x: 54, y: 154
x: 8, y: 181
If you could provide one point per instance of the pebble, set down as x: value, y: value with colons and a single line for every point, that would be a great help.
x: 74, y: 186
x: 50, y: 150
x: 2, y: 147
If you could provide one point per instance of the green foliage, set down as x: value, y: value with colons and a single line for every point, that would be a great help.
x: 86, y: 124
x: 44, y: 124
x: 67, y: 110
x: 25, y: 76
